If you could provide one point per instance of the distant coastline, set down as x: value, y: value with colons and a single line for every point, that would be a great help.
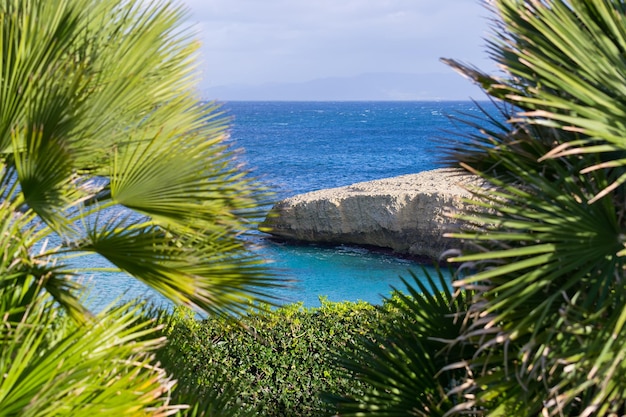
x: 447, y: 86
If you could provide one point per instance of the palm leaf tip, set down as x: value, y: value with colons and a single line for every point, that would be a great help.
x: 403, y: 369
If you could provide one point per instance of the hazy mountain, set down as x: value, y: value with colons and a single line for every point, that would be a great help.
x: 375, y: 86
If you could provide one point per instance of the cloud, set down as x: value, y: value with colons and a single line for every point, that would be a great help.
x: 295, y: 40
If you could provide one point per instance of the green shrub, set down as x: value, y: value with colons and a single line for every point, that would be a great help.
x: 273, y: 362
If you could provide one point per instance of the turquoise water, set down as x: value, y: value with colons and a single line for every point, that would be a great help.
x: 297, y: 147
x: 335, y: 273
x: 338, y: 273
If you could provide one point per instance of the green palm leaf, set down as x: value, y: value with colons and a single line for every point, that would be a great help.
x: 52, y: 365
x: 211, y: 271
x: 547, y: 267
x: 107, y: 122
x: 184, y: 180
x: 566, y: 71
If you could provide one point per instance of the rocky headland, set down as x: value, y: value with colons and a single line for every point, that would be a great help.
x: 407, y: 214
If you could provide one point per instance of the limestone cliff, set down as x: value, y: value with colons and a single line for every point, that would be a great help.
x: 407, y: 214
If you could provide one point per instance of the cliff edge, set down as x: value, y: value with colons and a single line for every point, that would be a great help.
x: 408, y: 214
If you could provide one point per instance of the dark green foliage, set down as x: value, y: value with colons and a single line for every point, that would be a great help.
x: 276, y: 362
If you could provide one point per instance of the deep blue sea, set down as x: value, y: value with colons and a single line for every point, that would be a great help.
x: 296, y: 147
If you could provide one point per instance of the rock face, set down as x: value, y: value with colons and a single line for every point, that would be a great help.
x: 407, y: 214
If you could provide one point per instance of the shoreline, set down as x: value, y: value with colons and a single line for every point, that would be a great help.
x: 421, y: 260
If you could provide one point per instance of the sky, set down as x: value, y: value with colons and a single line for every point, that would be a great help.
x: 288, y: 41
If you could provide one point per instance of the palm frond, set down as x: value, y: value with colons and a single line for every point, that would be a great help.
x: 186, y: 180
x: 563, y: 70
x: 212, y: 271
x: 52, y: 364
x: 107, y: 121
x: 403, y: 370
x: 24, y: 255
x: 105, y: 149
x: 547, y: 248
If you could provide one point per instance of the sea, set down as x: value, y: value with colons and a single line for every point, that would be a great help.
x: 297, y: 147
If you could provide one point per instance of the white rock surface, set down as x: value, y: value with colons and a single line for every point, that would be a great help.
x: 407, y: 214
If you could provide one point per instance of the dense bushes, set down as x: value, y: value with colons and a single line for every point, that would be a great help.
x: 277, y: 362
